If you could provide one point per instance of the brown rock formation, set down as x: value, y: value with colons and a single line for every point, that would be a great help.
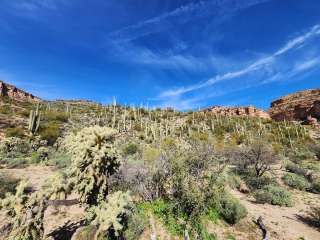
x: 10, y: 91
x: 300, y: 106
x: 238, y: 111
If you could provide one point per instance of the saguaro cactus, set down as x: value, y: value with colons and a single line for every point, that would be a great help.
x: 34, y: 120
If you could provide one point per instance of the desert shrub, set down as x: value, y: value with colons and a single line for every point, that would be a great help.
x: 231, y: 209
x: 294, y: 168
x: 50, y: 132
x: 295, y: 181
x: 200, y: 232
x: 301, y: 154
x: 315, y: 216
x: 167, y: 213
x: 5, y: 109
x: 213, y: 215
x: 60, y: 159
x: 14, y: 145
x: 238, y: 139
x: 315, y: 186
x: 274, y: 195
x: 130, y: 149
x: 8, y: 184
x: 196, y: 136
x: 52, y: 116
x: 14, y: 132
x: 315, y: 148
x: 23, y: 113
x: 255, y: 183
x: 168, y: 143
x: 41, y: 155
x: 136, y: 224
x: 234, y: 181
x: 150, y: 154
x: 16, y: 163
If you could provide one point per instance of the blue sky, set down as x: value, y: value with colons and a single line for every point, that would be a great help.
x: 184, y: 54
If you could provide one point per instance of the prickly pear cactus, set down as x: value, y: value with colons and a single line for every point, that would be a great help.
x: 94, y: 159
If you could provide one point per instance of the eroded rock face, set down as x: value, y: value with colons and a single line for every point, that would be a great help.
x: 299, y: 106
x: 238, y: 111
x: 7, y: 90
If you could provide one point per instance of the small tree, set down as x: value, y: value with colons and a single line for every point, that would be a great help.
x: 259, y: 155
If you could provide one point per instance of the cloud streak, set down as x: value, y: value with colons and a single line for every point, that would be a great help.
x: 121, y: 45
x: 258, y: 65
x: 221, y: 9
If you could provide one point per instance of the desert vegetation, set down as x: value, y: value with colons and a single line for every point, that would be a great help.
x: 132, y: 169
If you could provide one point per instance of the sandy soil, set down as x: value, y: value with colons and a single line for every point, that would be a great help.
x: 35, y: 175
x: 282, y: 222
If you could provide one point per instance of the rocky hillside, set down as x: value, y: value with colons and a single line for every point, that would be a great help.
x: 300, y: 106
x: 12, y: 92
x: 238, y: 111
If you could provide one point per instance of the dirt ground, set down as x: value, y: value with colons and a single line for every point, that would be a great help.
x: 283, y: 223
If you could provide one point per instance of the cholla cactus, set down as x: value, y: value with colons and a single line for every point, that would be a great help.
x: 94, y: 159
x: 27, y: 213
x: 108, y: 216
x: 57, y: 186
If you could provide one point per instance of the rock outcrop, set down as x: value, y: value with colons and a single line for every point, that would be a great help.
x: 301, y: 106
x: 12, y: 92
x: 238, y: 111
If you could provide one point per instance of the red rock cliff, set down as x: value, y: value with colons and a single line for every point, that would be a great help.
x: 297, y: 107
x: 238, y: 111
x: 10, y: 91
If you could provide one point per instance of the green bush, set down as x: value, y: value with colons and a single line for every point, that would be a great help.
x: 50, y: 132
x: 315, y: 148
x: 5, y: 109
x: 165, y: 211
x: 136, y: 224
x: 294, y: 168
x: 274, y: 195
x: 213, y: 215
x: 234, y: 181
x: 315, y: 186
x: 315, y: 216
x: 295, y: 181
x: 255, y: 183
x: 130, y: 149
x: 14, y: 132
x: 17, y: 163
x: 231, y: 209
x: 60, y: 159
x: 53, y: 116
x: 7, y: 185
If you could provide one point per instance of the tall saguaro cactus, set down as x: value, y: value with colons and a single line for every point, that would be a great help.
x: 34, y: 120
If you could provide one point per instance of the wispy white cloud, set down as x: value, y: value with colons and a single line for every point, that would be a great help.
x: 257, y: 65
x: 221, y: 9
x: 34, y: 5
x: 309, y: 64
x: 121, y: 46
